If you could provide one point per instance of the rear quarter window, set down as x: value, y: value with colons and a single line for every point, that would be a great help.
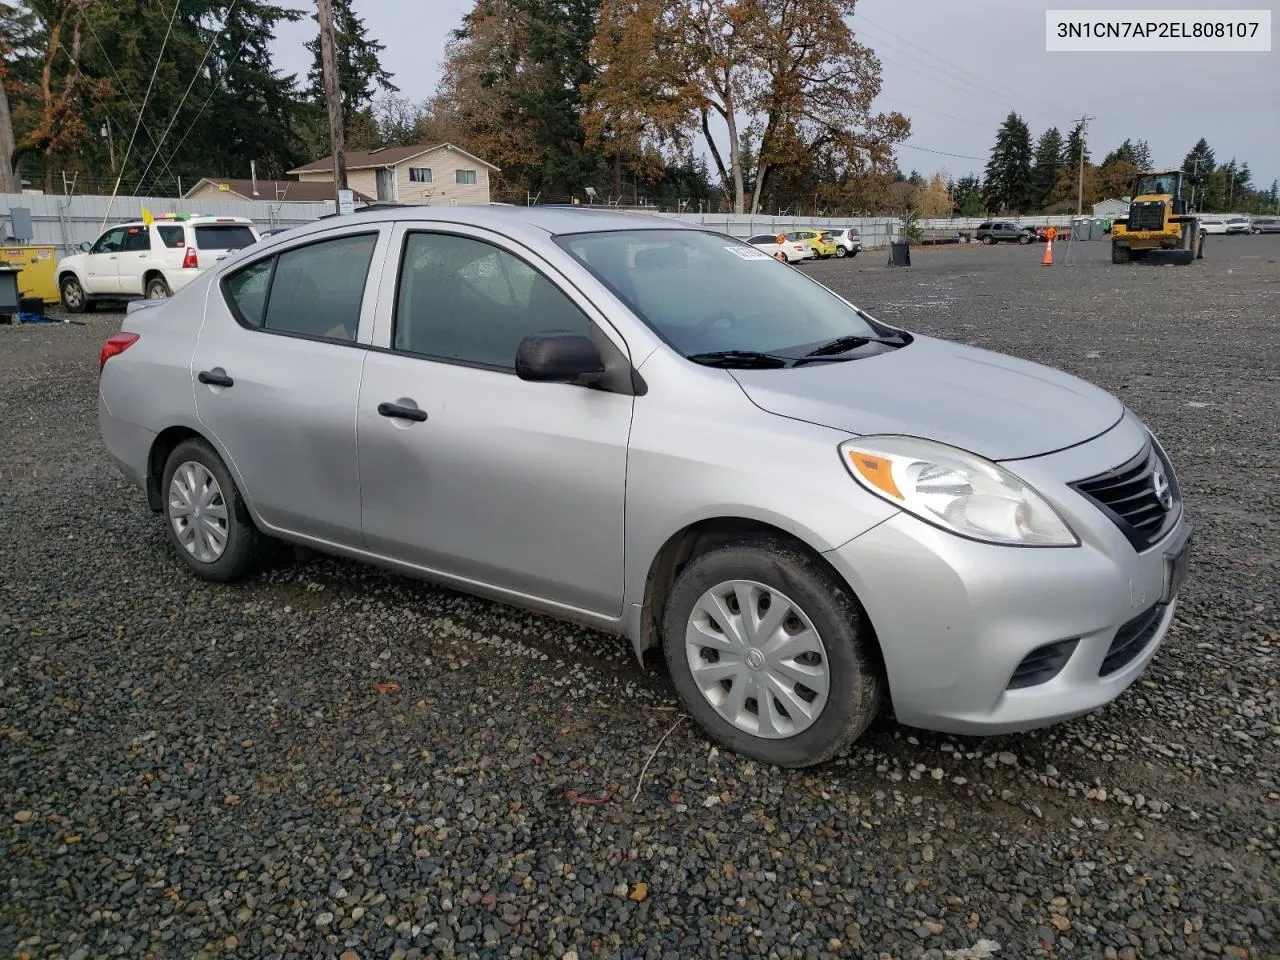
x: 173, y: 238
x: 223, y: 236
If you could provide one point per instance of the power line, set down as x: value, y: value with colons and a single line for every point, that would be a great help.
x: 942, y: 153
x: 989, y: 83
x: 154, y: 72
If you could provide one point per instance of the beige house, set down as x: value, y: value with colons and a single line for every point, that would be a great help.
x: 425, y: 174
x: 213, y: 188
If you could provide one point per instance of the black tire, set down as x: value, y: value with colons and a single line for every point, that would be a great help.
x: 1200, y: 247
x: 841, y: 253
x: 1024, y: 238
x: 988, y: 239
x: 243, y: 540
x: 159, y: 286
x: 856, y: 683
x: 1119, y: 253
x: 72, y: 296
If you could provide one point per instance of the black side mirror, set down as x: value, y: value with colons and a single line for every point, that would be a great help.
x: 558, y: 356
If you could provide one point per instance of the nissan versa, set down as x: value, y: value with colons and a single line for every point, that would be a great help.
x: 663, y: 432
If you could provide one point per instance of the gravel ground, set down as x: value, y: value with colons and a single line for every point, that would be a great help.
x: 200, y: 771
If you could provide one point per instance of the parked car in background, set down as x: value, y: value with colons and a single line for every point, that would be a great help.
x: 822, y: 247
x: 848, y: 241
x: 1239, y: 225
x: 794, y: 250
x: 156, y: 260
x: 1212, y: 224
x: 1266, y: 224
x: 1003, y: 231
x: 812, y: 513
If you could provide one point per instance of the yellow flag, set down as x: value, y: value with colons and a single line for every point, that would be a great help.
x: 147, y: 218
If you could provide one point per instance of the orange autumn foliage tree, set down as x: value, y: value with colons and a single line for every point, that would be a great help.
x: 668, y: 68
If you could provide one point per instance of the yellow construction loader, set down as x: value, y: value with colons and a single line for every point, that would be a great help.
x: 1159, y: 229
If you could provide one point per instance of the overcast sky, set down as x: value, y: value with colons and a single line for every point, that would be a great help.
x: 957, y: 68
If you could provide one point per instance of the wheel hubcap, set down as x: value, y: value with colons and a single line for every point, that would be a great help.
x: 72, y: 293
x: 198, y: 512
x: 757, y: 659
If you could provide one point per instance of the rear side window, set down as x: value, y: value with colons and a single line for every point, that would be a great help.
x: 247, y: 289
x: 136, y: 240
x: 173, y: 238
x: 228, y: 236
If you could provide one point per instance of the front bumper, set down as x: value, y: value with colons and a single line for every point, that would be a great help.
x: 956, y: 618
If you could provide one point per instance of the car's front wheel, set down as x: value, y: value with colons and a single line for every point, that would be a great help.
x: 1024, y: 238
x: 206, y: 519
x: 770, y: 653
x: 72, y: 295
x: 988, y: 239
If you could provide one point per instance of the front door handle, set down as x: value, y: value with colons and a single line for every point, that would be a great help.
x: 214, y: 379
x: 402, y: 413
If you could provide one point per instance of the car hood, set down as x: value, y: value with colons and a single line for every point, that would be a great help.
x: 991, y: 404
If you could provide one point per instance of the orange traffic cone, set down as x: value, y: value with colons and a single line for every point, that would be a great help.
x: 1048, y: 254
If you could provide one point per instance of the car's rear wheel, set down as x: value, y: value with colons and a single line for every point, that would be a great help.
x: 770, y: 653
x: 158, y: 289
x: 72, y: 294
x: 841, y: 252
x: 206, y: 519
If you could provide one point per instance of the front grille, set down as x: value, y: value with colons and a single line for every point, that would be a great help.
x: 1147, y: 215
x: 1127, y: 494
x: 1131, y: 639
x: 1042, y: 664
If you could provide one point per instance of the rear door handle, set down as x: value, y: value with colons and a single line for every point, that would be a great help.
x: 399, y: 412
x: 214, y: 379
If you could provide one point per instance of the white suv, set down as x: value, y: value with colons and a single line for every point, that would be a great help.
x: 134, y: 260
x: 848, y: 241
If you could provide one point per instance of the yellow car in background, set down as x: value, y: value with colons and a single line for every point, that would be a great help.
x: 814, y: 239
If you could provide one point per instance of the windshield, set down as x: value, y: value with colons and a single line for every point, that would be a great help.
x: 703, y: 292
x: 1164, y: 183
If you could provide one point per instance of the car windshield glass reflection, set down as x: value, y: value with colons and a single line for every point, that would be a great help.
x: 704, y: 292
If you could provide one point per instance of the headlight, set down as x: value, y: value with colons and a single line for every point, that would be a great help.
x: 955, y: 490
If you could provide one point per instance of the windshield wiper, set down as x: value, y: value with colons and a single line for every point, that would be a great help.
x: 842, y: 344
x: 739, y: 358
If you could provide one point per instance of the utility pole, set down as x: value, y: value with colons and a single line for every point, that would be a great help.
x: 333, y: 97
x: 1080, y: 190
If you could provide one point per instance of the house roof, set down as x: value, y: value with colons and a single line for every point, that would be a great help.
x: 276, y: 190
x: 384, y: 157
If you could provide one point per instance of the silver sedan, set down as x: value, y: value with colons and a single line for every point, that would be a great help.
x: 663, y: 432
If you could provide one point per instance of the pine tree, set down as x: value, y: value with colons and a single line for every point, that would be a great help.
x: 357, y: 56
x: 1071, y: 150
x: 966, y: 197
x: 1198, y: 167
x: 1007, y: 184
x: 1048, y: 162
x: 1142, y: 155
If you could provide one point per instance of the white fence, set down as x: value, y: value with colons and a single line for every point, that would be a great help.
x: 66, y: 222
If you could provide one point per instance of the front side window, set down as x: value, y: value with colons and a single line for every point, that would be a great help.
x: 704, y: 292
x: 468, y: 301
x: 465, y: 176
x: 313, y: 291
x: 110, y: 242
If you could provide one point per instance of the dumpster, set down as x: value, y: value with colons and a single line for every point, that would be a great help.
x: 9, y: 297
x: 39, y: 266
x: 899, y: 253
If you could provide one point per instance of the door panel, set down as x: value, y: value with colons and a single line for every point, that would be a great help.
x: 135, y: 257
x: 514, y: 484
x: 102, y: 267
x: 286, y: 333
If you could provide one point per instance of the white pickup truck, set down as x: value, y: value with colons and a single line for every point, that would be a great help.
x: 132, y: 260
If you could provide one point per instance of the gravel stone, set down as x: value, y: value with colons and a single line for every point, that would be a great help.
x: 185, y: 763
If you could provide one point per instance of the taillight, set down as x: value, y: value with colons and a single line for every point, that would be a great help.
x: 190, y: 262
x: 116, y: 344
